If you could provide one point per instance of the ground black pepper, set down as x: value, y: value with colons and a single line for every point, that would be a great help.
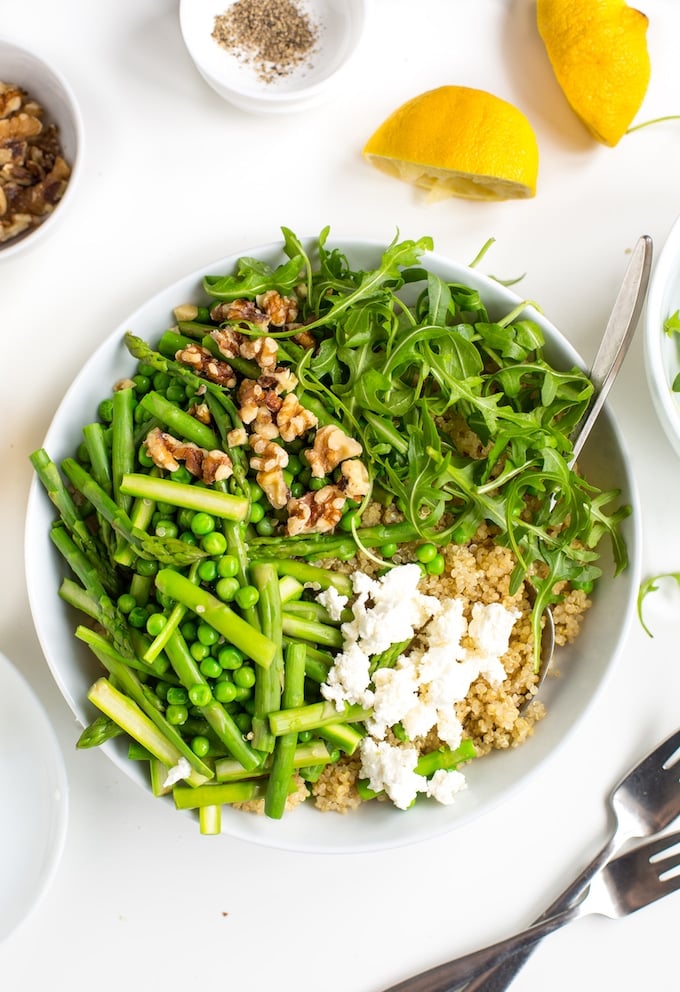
x: 274, y: 36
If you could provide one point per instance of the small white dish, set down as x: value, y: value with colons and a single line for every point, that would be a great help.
x: 337, y: 24
x: 46, y: 84
x: 33, y: 822
x: 662, y: 351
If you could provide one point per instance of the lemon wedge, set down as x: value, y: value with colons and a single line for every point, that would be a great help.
x: 458, y: 141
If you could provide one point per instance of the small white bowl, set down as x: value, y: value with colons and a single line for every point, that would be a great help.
x: 339, y: 26
x: 45, y: 84
x: 662, y: 351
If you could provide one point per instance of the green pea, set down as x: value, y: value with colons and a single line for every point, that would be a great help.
x: 182, y: 474
x: 227, y: 566
x: 165, y: 528
x: 256, y: 491
x: 143, y: 457
x: 214, y: 544
x: 243, y: 722
x: 142, y: 384
x: 243, y: 693
x: 256, y: 513
x: 184, y: 518
x: 189, y: 630
x: 162, y: 689
x: 188, y: 538
x: 294, y: 465
x: 316, y: 484
x: 230, y: 657
x: 137, y: 617
x: 177, y: 715
x: 346, y: 521
x: 388, y: 550
x: 146, y: 567
x: 207, y: 570
x: 210, y: 667
x: 426, y: 552
x: 200, y: 745
x: 155, y: 623
x: 225, y: 692
x: 202, y: 523
x: 226, y: 589
x: 266, y: 527
x: 126, y: 602
x: 297, y: 490
x: 244, y: 677
x: 305, y: 736
x: 161, y: 381
x: 247, y: 597
x: 199, y: 651
x: 207, y: 634
x: 175, y: 392
x: 105, y: 411
x: 436, y: 566
x: 82, y: 454
x: 200, y: 694
x: 144, y: 368
x: 177, y: 695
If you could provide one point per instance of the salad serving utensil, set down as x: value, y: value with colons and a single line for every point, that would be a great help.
x: 627, y: 883
x: 644, y: 802
x: 616, y: 339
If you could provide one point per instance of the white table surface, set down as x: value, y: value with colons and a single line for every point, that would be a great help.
x: 173, y: 179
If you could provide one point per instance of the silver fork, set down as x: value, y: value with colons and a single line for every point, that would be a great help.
x: 628, y: 883
x: 645, y: 802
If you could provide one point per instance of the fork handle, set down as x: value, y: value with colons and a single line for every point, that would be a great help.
x: 500, y: 977
x: 451, y: 975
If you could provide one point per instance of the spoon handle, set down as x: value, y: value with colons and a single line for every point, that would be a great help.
x: 617, y: 336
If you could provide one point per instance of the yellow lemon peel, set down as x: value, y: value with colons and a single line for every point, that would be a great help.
x: 598, y: 52
x: 458, y: 141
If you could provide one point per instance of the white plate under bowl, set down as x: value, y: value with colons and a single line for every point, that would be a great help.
x: 662, y: 352
x: 34, y: 808
x: 375, y: 825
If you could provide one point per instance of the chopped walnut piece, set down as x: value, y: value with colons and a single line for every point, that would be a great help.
x: 305, y: 339
x: 315, y: 512
x: 293, y: 420
x: 243, y: 311
x: 206, y: 365
x: 274, y: 487
x: 250, y: 395
x: 264, y: 350
x: 201, y: 412
x: 281, y: 380
x: 354, y: 482
x: 281, y: 310
x: 228, y: 341
x: 237, y: 437
x: 167, y: 452
x: 268, y: 454
x: 331, y: 446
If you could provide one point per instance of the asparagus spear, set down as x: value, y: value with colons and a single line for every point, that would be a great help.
x: 284, y: 752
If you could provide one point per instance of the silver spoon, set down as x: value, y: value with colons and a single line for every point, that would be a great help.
x: 617, y: 336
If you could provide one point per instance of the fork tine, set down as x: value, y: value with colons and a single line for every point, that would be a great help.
x: 660, y: 849
x: 668, y: 750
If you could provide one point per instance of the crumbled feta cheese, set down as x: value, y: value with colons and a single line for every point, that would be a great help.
x: 349, y: 679
x: 177, y: 773
x: 389, y: 609
x: 392, y: 769
x: 333, y: 601
x: 422, y: 689
x: 396, y: 693
x: 445, y: 785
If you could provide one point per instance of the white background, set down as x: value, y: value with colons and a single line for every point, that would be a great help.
x: 174, y: 178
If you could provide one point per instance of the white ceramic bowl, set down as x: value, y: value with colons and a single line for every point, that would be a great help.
x: 375, y: 825
x: 662, y: 351
x: 340, y: 25
x: 50, y: 88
